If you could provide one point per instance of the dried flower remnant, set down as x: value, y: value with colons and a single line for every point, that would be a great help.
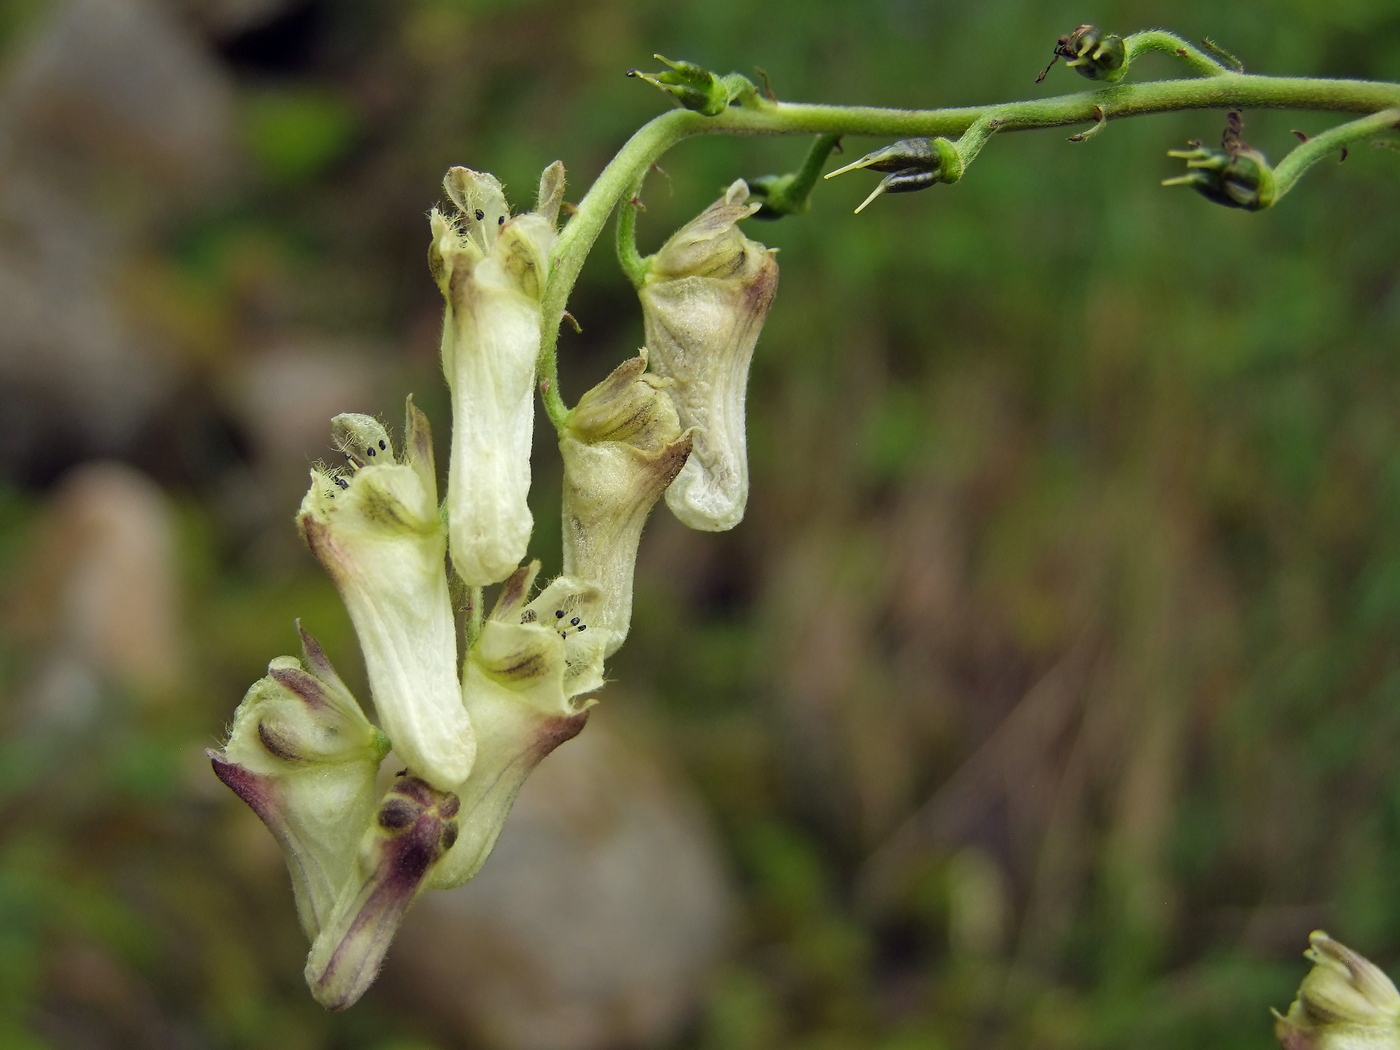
x: 377, y: 531
x: 491, y: 269
x: 704, y: 300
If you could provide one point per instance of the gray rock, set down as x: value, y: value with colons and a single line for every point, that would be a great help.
x: 595, y: 922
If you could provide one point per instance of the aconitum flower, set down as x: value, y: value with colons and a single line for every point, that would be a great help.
x: 416, y: 825
x: 1344, y: 1003
x: 525, y: 684
x: 303, y: 756
x: 622, y: 446
x: 491, y: 269
x: 704, y: 301
x: 377, y: 531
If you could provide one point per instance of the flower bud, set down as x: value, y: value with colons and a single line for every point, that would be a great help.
x: 1344, y: 1003
x: 524, y: 683
x: 622, y: 446
x: 492, y: 271
x: 693, y: 86
x: 415, y: 828
x: 377, y: 531
x: 704, y: 301
x: 303, y: 757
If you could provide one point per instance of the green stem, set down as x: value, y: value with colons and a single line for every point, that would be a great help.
x: 633, y: 265
x: 1220, y: 89
x: 791, y: 194
x: 1289, y: 170
x: 806, y: 177
x: 972, y: 140
x: 1161, y: 40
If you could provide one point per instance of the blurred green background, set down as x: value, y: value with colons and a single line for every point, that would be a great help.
x: 1048, y: 695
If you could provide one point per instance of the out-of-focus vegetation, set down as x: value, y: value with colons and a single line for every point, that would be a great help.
x: 1049, y: 694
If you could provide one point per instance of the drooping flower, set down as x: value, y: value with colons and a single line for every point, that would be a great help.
x: 525, y: 684
x: 622, y: 446
x: 416, y: 825
x: 303, y: 756
x: 377, y: 531
x: 1344, y: 1003
x: 491, y: 269
x: 704, y: 301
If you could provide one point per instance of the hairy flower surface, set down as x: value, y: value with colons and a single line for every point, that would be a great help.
x: 416, y: 825
x: 377, y: 531
x: 1344, y: 1003
x: 622, y: 446
x: 704, y: 301
x: 491, y: 269
x: 525, y: 684
x: 303, y: 756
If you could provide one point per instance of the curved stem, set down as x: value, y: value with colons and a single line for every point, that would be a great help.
x: 631, y: 261
x: 1291, y: 168
x: 1219, y: 89
x: 1161, y: 40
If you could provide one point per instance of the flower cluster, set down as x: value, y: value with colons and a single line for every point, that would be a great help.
x: 469, y: 711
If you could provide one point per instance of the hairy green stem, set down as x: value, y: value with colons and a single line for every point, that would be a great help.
x: 1219, y: 88
x: 1304, y: 156
x: 631, y: 261
x: 1170, y: 43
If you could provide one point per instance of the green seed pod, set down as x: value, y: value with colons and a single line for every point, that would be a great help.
x: 1094, y: 54
x: 1236, y: 175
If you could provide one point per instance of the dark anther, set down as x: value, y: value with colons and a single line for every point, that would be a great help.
x: 382, y: 445
x: 583, y: 627
x: 342, y: 483
x: 397, y: 813
x: 500, y: 220
x: 480, y: 215
x: 559, y: 614
x: 574, y: 621
x: 369, y: 451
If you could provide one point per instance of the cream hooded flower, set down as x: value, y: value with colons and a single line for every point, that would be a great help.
x: 525, y: 684
x: 491, y: 269
x: 704, y: 301
x: 377, y: 531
